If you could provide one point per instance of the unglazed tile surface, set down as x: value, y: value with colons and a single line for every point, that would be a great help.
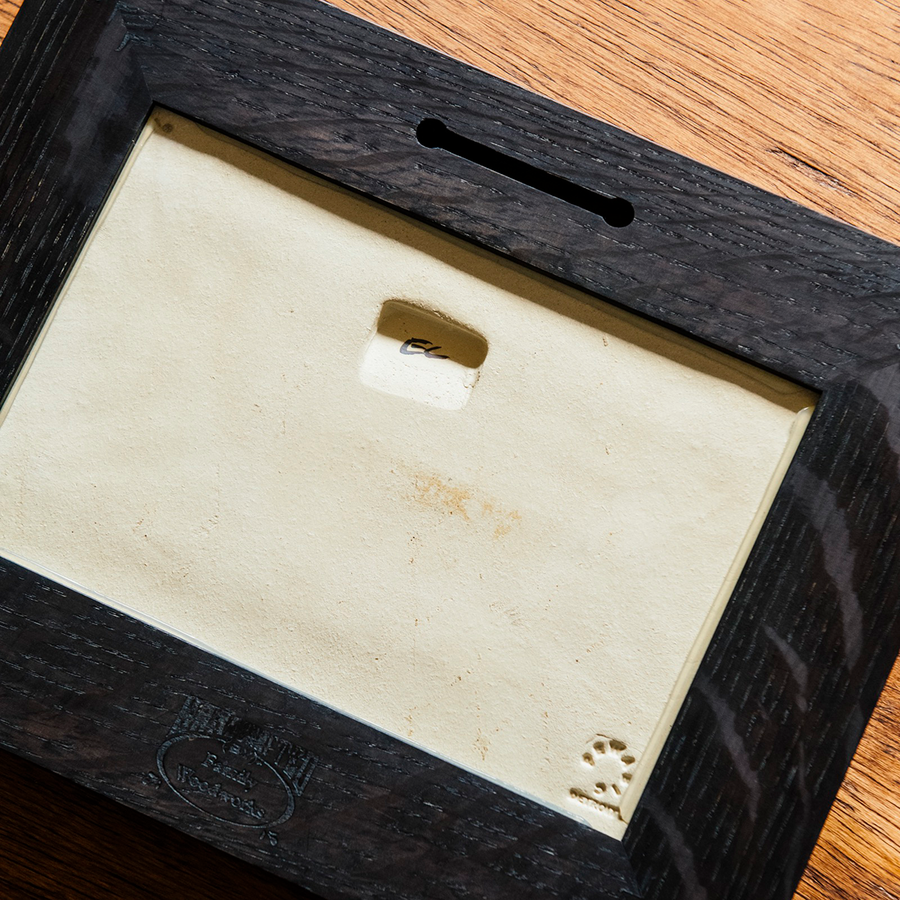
x: 505, y: 538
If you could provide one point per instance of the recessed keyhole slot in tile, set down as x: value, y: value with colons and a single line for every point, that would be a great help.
x: 419, y: 355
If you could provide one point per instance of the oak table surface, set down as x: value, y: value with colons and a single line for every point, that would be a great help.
x: 800, y: 97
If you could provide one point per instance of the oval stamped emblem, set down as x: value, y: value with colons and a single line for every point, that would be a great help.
x: 227, y: 781
x: 237, y: 772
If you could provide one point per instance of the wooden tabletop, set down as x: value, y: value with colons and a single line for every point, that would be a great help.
x: 801, y: 97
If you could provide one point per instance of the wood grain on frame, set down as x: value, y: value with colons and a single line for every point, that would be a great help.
x: 8, y: 10
x: 61, y: 840
x: 797, y: 97
x: 803, y: 172
x: 733, y: 266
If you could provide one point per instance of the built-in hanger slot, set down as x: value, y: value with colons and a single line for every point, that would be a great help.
x: 615, y: 211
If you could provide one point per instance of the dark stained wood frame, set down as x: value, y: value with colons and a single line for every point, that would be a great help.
x: 806, y: 643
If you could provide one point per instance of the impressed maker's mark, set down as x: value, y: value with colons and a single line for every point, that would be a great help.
x: 232, y: 770
x: 606, y: 769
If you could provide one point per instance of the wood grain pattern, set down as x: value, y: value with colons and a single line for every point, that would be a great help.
x: 727, y: 260
x: 8, y: 10
x: 858, y: 852
x: 137, y: 714
x: 506, y: 22
x: 61, y: 840
x: 776, y: 635
x: 798, y: 97
x: 59, y: 216
x: 801, y: 98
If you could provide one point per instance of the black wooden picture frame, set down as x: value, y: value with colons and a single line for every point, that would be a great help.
x: 760, y: 746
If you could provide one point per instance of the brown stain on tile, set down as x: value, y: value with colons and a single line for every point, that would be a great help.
x: 438, y: 494
x: 466, y: 503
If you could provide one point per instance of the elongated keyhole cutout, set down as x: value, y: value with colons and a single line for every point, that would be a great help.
x: 614, y: 210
